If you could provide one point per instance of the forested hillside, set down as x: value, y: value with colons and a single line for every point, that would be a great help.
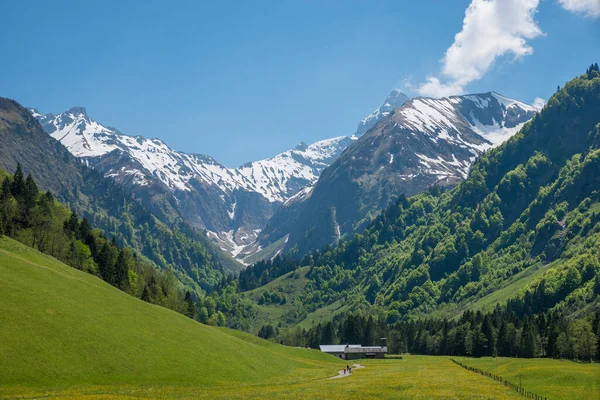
x: 196, y: 262
x: 37, y: 220
x: 523, y: 231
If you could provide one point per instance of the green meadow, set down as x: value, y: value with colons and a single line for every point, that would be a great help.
x: 62, y: 327
x: 67, y: 334
x: 554, y: 379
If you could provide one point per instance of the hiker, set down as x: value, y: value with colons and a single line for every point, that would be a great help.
x: 350, y: 370
x: 344, y: 370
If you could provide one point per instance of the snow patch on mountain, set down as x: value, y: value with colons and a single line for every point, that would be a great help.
x: 281, y: 177
x: 300, y: 196
x: 495, y: 118
x: 277, y: 178
x: 145, y: 163
x: 86, y: 138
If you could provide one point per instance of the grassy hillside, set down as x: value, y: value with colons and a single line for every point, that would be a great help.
x: 285, y: 287
x: 277, y: 304
x: 62, y: 328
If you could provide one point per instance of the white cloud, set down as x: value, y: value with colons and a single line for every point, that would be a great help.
x: 590, y: 8
x: 539, y: 103
x: 434, y: 88
x: 491, y: 29
x: 406, y: 84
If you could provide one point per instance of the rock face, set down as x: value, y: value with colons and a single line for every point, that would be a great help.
x: 425, y: 142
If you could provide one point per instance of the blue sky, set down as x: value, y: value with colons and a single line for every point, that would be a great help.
x: 244, y: 80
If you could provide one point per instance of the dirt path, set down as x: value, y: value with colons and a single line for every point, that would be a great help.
x: 341, y: 372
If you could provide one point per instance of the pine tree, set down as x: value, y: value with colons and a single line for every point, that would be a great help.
x: 5, y: 191
x: 146, y: 294
x: 6, y: 206
x: 31, y: 192
x: 190, y: 305
x: 490, y: 338
x: 328, y: 334
x: 593, y: 71
x: 596, y: 330
x: 122, y: 267
x: 72, y: 225
x: 18, y: 183
x: 106, y: 263
x: 529, y: 345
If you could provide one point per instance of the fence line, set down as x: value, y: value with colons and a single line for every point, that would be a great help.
x: 507, y: 383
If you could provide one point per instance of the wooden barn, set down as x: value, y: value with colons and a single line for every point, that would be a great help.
x: 354, y: 351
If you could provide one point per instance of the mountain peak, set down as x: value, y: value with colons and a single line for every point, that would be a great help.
x: 77, y: 110
x: 35, y: 112
x: 301, y: 146
x: 395, y: 99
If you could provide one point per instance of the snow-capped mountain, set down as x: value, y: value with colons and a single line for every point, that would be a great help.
x: 172, y: 184
x: 424, y: 142
x: 88, y: 139
x: 232, y: 204
x: 394, y: 100
x: 281, y: 177
x: 408, y: 145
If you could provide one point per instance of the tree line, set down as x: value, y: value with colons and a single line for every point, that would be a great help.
x: 499, y: 333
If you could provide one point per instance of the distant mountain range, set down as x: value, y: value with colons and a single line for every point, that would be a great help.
x: 232, y: 205
x: 246, y: 209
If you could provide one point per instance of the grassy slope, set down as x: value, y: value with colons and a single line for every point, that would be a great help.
x: 287, y: 284
x: 62, y: 327
x: 500, y: 295
x: 511, y: 287
x: 555, y: 379
x: 291, y: 287
x: 324, y: 314
x: 290, y: 284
